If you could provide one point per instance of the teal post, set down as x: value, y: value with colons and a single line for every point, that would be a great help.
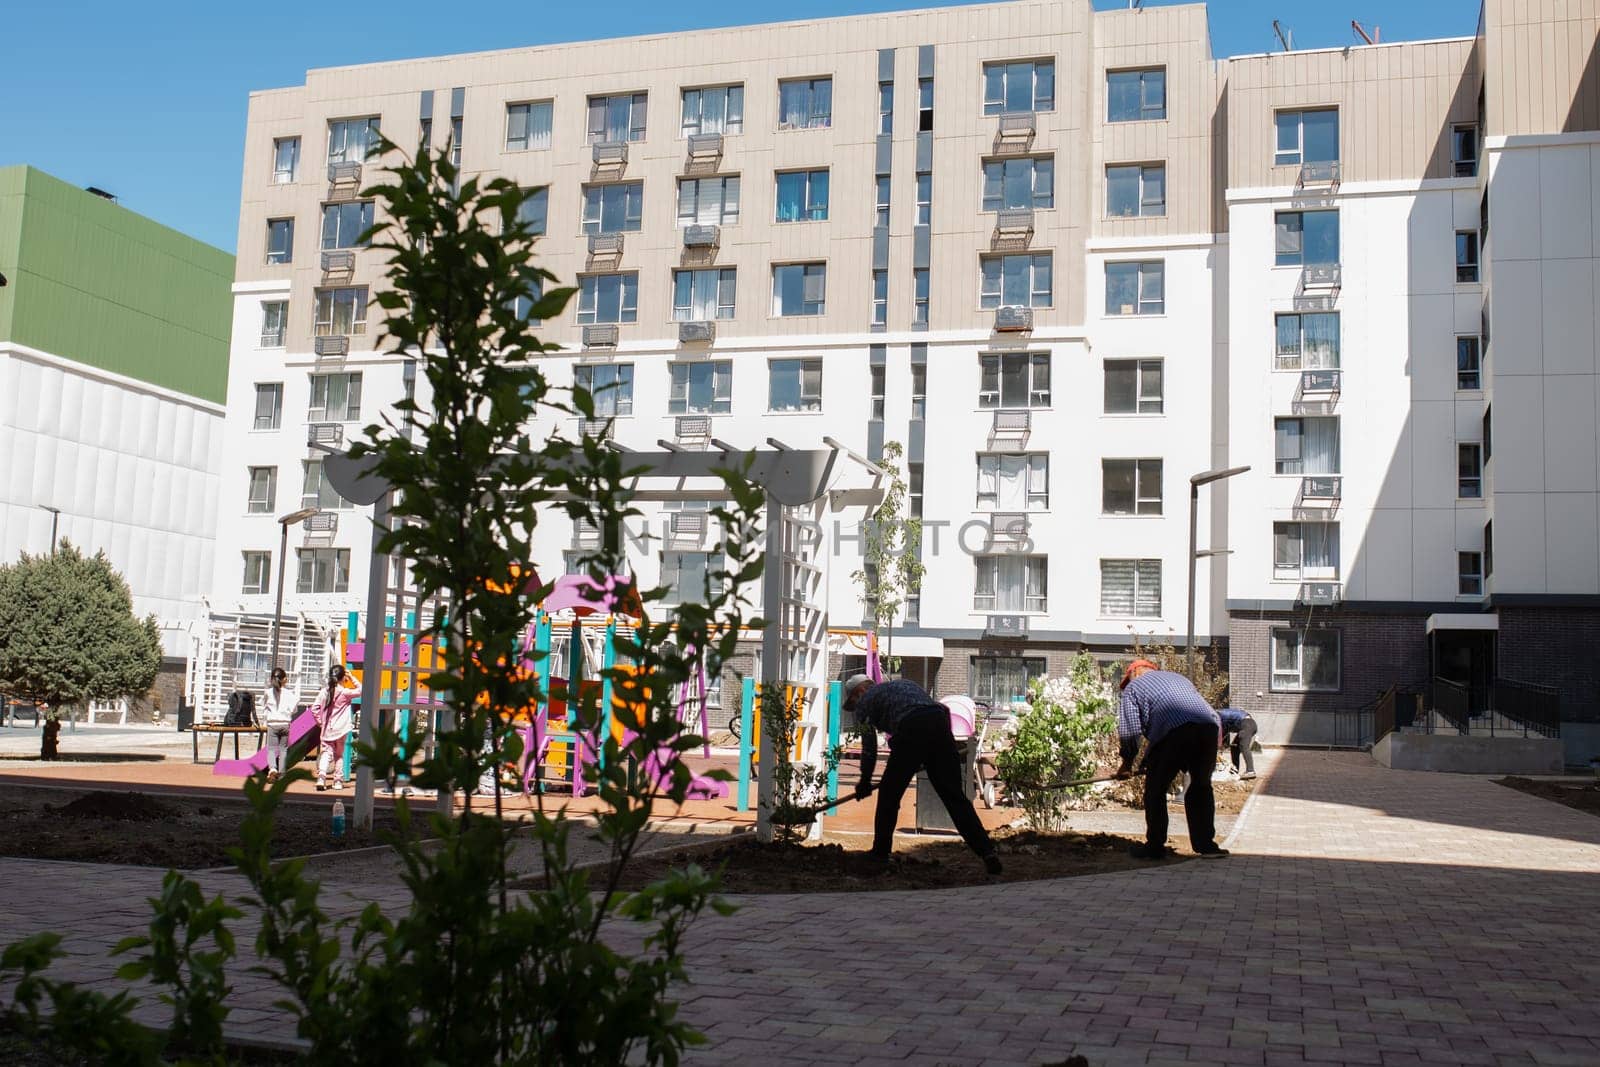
x: 833, y: 739
x: 368, y: 657
x: 604, y: 725
x: 747, y: 705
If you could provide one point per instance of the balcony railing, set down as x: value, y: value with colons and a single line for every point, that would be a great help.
x: 344, y: 181
x: 1013, y: 318
x: 1014, y: 224
x: 692, y: 429
x: 697, y: 332
x: 339, y: 264
x: 605, y: 335
x: 688, y: 527
x: 605, y: 244
x: 604, y: 429
x: 1014, y: 133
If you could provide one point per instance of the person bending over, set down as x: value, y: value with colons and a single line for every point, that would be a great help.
x: 1241, y: 726
x: 1184, y: 735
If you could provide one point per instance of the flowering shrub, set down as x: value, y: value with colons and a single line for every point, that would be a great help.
x: 1056, y: 740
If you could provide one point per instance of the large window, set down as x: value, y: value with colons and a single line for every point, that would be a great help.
x: 708, y: 201
x: 1136, y: 288
x: 263, y: 490
x: 880, y: 207
x: 718, y: 109
x: 617, y: 118
x: 1305, y: 550
x: 1464, y: 151
x: 1016, y: 281
x: 1305, y: 661
x: 690, y: 577
x: 1469, y: 363
x: 274, y: 320
x: 1014, y: 380
x: 880, y: 298
x: 1307, y: 137
x: 343, y: 225
x: 1136, y: 95
x: 919, y: 391
x: 1130, y: 486
x: 802, y: 195
x: 702, y: 295
x: 1027, y: 182
x: 317, y: 492
x: 924, y: 212
x: 528, y: 125
x: 353, y: 140
x: 534, y: 211
x: 925, y: 105
x: 1469, y: 573
x: 704, y: 387
x: 1307, y: 341
x: 611, y: 386
x: 323, y: 570
x: 921, y: 283
x: 1134, y: 387
x: 1306, y: 445
x: 257, y: 573
x: 285, y: 160
x: 608, y: 298
x: 1130, y: 588
x: 1466, y: 256
x: 341, y: 311
x: 794, y: 385
x: 1011, y: 582
x: 280, y: 240
x: 335, y: 398
x: 1001, y: 681
x: 1469, y: 471
x: 1013, y: 481
x: 885, y: 107
x: 613, y: 208
x: 1138, y: 189
x: 1306, y: 237
x: 269, y: 406
x: 799, y: 289
x: 805, y: 103
x: 1026, y: 85
x: 877, y: 387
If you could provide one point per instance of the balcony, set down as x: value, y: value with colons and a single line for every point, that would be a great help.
x: 344, y: 181
x: 325, y: 434
x: 1013, y: 228
x: 1011, y: 424
x: 692, y: 430
x: 1014, y: 133
x: 1005, y: 626
x: 606, y: 335
x: 1008, y: 526
x: 702, y: 236
x: 696, y: 332
x: 338, y: 266
x: 1319, y: 594
x: 1324, y: 176
x: 610, y: 155
x: 1013, y: 318
x: 334, y: 346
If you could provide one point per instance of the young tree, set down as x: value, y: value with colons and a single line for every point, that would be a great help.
x: 891, y: 556
x: 68, y: 635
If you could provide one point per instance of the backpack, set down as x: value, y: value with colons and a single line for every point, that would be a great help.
x: 241, y: 709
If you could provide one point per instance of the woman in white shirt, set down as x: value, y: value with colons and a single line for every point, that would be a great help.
x: 278, y: 708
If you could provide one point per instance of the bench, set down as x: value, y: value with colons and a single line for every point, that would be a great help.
x: 222, y: 733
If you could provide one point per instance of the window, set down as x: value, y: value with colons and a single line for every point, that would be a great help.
x: 794, y: 385
x: 879, y: 390
x: 919, y: 391
x: 1136, y: 288
x: 522, y: 304
x: 1014, y: 481
x: 617, y: 118
x: 708, y: 201
x: 614, y: 208
x: 920, y: 281
x: 802, y: 195
x: 701, y: 388
x: 269, y: 406
x: 1307, y: 341
x: 925, y: 105
x: 257, y: 573
x: 1136, y: 95
x: 1469, y: 573
x: 341, y: 311
x: 702, y: 295
x: 608, y: 298
x: 1307, y: 550
x: 1305, y: 661
x: 924, y: 198
x: 1304, y: 237
x: 1011, y: 582
x: 343, y: 225
x: 880, y: 297
x: 425, y: 135
x: 534, y: 211
x: 1469, y: 363
x: 352, y: 140
x: 611, y: 386
x: 1487, y: 412
x: 1464, y: 150
x: 1014, y: 380
x: 1001, y: 681
x: 1306, y: 445
x: 285, y: 160
x: 1136, y: 190
x: 880, y: 215
x: 1469, y: 471
x: 263, y: 490
x: 1130, y: 486
x: 323, y: 570
x: 1016, y: 281
x: 805, y: 103
x: 1029, y: 85
x: 280, y: 240
x: 1466, y: 256
x: 718, y: 109
x: 274, y: 318
x: 455, y: 144
x: 799, y: 289
x: 1018, y: 183
x: 335, y: 398
x: 689, y: 576
x: 914, y: 484
x: 1134, y: 387
x: 1130, y: 588
x: 885, y: 107
x: 317, y: 492
x: 1488, y: 549
x: 1307, y: 137
x: 528, y: 125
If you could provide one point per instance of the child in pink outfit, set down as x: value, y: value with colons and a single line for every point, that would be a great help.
x: 333, y: 714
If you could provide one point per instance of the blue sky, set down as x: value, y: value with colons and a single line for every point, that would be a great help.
x: 148, y: 99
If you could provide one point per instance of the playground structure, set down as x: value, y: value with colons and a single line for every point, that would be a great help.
x: 231, y: 652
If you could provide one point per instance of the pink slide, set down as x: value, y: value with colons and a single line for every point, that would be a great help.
x: 304, y: 724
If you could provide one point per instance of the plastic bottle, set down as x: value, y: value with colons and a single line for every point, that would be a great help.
x: 338, y: 818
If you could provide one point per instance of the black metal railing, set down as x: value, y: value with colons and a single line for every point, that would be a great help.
x: 1451, y: 702
x: 1526, y: 708
x: 1397, y: 709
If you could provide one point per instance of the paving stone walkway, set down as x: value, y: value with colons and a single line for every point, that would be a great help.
x: 1367, y: 916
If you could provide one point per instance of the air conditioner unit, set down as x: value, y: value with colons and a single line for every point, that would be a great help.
x: 601, y: 428
x: 1017, y: 124
x: 1319, y: 593
x: 694, y: 332
x: 1006, y: 626
x: 1014, y: 222
x: 325, y: 433
x: 342, y: 262
x: 344, y: 173
x: 1012, y: 422
x: 702, y: 236
x: 610, y: 153
x: 1008, y: 525
x: 688, y: 523
x: 602, y: 336
x: 1013, y: 318
x: 605, y: 244
x: 337, y: 344
x: 705, y: 145
x: 322, y: 522
x: 692, y: 427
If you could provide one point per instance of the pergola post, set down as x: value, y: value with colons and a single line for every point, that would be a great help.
x: 771, y: 665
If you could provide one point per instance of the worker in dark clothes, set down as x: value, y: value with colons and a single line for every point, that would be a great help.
x: 1184, y: 735
x: 1242, y: 728
x: 919, y: 739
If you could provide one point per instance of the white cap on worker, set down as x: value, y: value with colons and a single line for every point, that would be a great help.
x: 855, y: 685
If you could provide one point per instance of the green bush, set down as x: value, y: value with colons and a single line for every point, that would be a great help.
x: 1055, y: 741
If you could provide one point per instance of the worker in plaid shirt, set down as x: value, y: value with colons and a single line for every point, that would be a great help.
x: 1184, y: 734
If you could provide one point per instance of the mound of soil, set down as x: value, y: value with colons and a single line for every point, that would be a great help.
x: 1585, y: 796
x: 119, y: 807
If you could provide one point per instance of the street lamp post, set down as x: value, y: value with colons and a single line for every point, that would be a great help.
x: 284, y: 521
x: 1195, y: 482
x: 55, y: 524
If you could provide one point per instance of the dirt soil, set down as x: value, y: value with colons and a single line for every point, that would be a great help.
x: 843, y: 866
x: 1129, y: 796
x: 1585, y: 797
x: 146, y: 830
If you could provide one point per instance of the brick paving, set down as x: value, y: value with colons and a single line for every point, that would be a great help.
x: 1367, y: 916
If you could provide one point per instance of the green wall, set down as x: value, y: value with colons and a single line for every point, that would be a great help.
x: 93, y: 282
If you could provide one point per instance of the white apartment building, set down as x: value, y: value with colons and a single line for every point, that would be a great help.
x: 1068, y: 259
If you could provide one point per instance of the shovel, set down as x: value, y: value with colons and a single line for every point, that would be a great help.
x: 802, y: 816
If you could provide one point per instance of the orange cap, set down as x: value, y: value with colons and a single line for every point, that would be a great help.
x: 1136, y: 668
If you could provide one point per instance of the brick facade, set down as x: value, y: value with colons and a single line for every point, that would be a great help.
x: 1377, y: 650
x: 1557, y: 647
